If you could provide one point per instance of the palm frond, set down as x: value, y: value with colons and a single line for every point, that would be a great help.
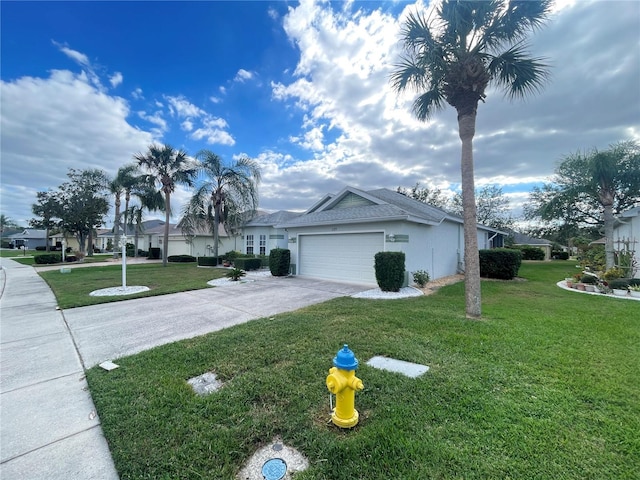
x: 517, y: 72
x: 425, y: 106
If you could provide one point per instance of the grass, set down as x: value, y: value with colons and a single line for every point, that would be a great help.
x: 72, y: 289
x: 545, y: 386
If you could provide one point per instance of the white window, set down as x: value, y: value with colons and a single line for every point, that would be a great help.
x: 263, y: 244
x: 250, y: 244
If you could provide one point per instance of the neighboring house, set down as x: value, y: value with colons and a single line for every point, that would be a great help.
x: 338, y: 237
x: 29, y: 238
x: 151, y: 235
x: 522, y: 240
x: 260, y: 235
x: 627, y: 230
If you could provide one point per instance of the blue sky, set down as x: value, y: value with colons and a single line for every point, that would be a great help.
x: 302, y: 87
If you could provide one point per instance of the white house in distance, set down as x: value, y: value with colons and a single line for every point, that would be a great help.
x: 338, y: 237
x: 627, y: 230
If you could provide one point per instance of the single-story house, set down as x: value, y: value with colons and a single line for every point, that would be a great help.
x: 626, y: 230
x: 522, y: 240
x: 338, y: 237
x: 151, y: 235
x: 29, y: 238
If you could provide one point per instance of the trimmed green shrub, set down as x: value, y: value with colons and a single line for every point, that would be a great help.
x: 70, y: 258
x: 47, y: 258
x: 231, y: 255
x: 421, y: 278
x: 181, y: 258
x: 41, y: 248
x: 207, y: 261
x: 247, y: 263
x: 502, y: 263
x: 588, y: 279
x: 389, y: 268
x: 154, y: 253
x: 559, y: 255
x: 619, y: 283
x: 532, y: 253
x: 279, y: 262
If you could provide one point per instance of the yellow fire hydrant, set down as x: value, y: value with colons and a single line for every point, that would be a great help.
x: 343, y: 383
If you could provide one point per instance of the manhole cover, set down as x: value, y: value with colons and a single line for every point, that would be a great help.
x: 274, y: 469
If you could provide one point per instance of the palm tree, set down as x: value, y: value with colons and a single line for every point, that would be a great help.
x: 168, y: 168
x: 226, y: 192
x: 451, y: 57
x: 122, y: 183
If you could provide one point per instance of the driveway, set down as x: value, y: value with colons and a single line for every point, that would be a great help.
x: 112, y: 330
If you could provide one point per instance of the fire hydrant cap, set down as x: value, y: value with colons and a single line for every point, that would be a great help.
x: 345, y: 359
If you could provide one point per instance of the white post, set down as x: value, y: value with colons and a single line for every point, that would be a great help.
x: 64, y: 249
x: 123, y: 242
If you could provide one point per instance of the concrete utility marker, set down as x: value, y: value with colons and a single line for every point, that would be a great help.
x: 275, y: 461
x: 411, y: 370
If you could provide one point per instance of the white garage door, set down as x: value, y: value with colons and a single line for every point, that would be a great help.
x: 346, y: 257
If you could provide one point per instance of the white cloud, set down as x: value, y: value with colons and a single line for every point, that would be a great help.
x: 49, y: 125
x: 213, y: 132
x: 243, y: 75
x: 187, y: 125
x: 181, y: 107
x: 370, y: 137
x: 115, y: 79
x: 157, y: 120
x: 137, y: 94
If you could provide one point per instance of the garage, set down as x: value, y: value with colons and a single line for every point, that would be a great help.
x: 346, y: 256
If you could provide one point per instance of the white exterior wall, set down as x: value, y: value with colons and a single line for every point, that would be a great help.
x: 435, y: 249
x: 276, y: 238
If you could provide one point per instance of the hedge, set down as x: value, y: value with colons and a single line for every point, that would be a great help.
x: 181, y: 258
x: 208, y: 261
x: 279, y: 262
x: 247, y: 263
x: 389, y: 267
x: 502, y: 263
x: 47, y: 258
x: 154, y: 253
x: 532, y: 253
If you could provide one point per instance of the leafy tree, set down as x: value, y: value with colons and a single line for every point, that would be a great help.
x: 589, y: 188
x: 7, y: 223
x: 430, y: 196
x: 492, y: 207
x: 83, y: 204
x: 452, y: 57
x: 167, y: 168
x: 227, y: 192
x: 47, y: 209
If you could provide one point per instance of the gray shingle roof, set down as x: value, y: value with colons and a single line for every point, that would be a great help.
x: 390, y: 206
x: 271, y: 219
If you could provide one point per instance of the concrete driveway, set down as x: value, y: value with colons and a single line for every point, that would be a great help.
x: 113, y: 330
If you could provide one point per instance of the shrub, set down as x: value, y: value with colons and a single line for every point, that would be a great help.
x: 502, y: 263
x: 389, y: 268
x: 612, y: 274
x: 247, y: 263
x: 154, y: 253
x: 41, y: 248
x: 230, y: 255
x: 70, y: 258
x: 235, y: 274
x: 559, y: 255
x: 620, y: 283
x: 47, y: 258
x: 279, y: 262
x: 532, y: 253
x: 421, y: 278
x: 588, y: 279
x: 181, y: 258
x: 207, y: 261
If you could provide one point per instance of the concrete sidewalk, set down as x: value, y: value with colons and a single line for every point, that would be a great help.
x: 48, y: 424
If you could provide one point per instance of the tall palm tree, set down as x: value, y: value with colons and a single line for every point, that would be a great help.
x: 121, y: 184
x: 168, y: 168
x: 452, y: 56
x: 226, y: 191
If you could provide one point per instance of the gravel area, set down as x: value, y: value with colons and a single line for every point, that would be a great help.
x: 405, y: 292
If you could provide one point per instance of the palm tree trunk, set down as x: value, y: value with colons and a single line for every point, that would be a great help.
x: 466, y: 130
x: 167, y: 215
x: 608, y: 233
x: 216, y: 223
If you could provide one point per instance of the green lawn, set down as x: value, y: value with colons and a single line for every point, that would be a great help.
x: 72, y: 289
x: 546, y: 386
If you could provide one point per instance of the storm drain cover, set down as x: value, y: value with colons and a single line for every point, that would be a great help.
x: 274, y: 469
